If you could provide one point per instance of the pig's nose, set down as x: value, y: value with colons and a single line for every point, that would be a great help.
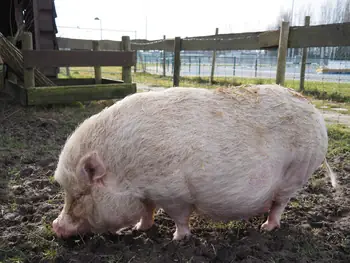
x: 56, y: 227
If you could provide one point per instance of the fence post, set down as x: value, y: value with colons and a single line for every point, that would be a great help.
x: 177, y: 62
x: 164, y: 59
x: 282, y: 53
x: 213, y: 61
x: 135, y: 67
x: 98, y: 72
x: 303, y: 60
x: 234, y: 66
x: 29, y: 80
x: 126, y: 71
x: 199, y: 67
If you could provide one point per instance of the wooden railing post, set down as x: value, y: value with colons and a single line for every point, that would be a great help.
x: 303, y: 60
x: 213, y: 62
x: 282, y: 53
x: 177, y: 62
x: 135, y: 67
x: 98, y: 72
x: 164, y: 59
x: 28, y: 75
x: 126, y: 71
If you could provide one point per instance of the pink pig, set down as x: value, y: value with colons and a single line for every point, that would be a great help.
x: 228, y: 154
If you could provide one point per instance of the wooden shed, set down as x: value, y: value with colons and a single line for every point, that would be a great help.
x: 35, y: 16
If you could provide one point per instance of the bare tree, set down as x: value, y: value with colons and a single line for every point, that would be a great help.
x: 342, y: 15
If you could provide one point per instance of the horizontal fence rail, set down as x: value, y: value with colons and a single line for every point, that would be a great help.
x: 278, y: 41
x: 81, y: 58
x: 299, y: 37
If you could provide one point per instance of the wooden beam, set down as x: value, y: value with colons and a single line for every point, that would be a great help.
x: 167, y: 45
x: 320, y: 36
x: 249, y: 41
x: 86, y: 44
x: 78, y: 58
x: 68, y: 94
x: 300, y: 37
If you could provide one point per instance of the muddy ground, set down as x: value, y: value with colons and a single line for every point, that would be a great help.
x: 315, y: 226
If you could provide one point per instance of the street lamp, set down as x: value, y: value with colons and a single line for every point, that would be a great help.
x: 96, y: 18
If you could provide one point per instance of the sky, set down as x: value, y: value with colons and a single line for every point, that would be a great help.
x: 151, y: 19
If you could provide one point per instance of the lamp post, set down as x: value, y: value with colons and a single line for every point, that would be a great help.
x: 291, y: 24
x: 96, y: 18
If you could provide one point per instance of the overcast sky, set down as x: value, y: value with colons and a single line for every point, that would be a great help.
x: 171, y: 18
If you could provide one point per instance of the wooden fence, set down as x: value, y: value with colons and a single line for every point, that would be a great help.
x: 286, y: 37
x: 31, y: 94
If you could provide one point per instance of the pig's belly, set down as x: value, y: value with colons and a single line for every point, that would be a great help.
x: 240, y: 205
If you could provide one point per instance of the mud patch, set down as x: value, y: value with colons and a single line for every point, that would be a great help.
x: 315, y: 226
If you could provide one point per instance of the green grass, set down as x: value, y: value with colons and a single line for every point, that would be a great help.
x: 339, y: 141
x: 320, y: 90
x: 339, y: 92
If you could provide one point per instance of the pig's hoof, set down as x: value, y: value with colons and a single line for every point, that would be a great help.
x: 181, y: 236
x: 142, y: 226
x: 269, y: 226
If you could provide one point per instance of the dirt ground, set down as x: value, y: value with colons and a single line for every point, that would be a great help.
x: 315, y: 226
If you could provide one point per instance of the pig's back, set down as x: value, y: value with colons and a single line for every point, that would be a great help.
x: 188, y: 143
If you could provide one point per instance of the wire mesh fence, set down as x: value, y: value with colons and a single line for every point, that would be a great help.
x: 327, y: 77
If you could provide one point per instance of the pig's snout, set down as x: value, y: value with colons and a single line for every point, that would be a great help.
x: 64, y: 228
x: 60, y: 229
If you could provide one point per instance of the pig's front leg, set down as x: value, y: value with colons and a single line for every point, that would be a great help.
x: 147, y: 219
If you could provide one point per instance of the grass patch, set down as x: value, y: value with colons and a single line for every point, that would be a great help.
x: 339, y: 140
x: 339, y: 92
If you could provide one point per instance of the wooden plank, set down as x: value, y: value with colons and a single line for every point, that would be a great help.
x: 167, y: 45
x: 282, y: 53
x: 45, y: 5
x: 72, y: 43
x: 269, y: 39
x: 68, y: 94
x: 225, y: 36
x: 320, y: 36
x: 79, y: 58
x: 249, y: 41
x: 85, y: 44
x: 45, y: 21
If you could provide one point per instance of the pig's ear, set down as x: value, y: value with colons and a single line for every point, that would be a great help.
x: 92, y: 168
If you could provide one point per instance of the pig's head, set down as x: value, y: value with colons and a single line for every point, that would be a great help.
x: 93, y: 202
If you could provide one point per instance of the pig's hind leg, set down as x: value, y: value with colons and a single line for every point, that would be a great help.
x: 294, y: 179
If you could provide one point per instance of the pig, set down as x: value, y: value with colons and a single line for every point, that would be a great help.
x: 226, y: 154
